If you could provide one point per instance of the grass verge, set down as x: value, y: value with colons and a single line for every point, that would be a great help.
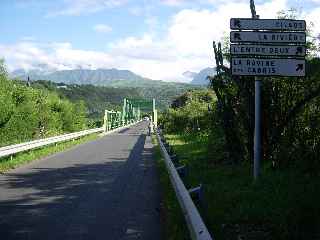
x: 283, y: 204
x: 8, y: 163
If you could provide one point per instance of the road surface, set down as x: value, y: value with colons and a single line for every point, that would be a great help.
x: 104, y: 189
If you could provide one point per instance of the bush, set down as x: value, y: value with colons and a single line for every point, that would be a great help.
x: 188, y: 112
x: 27, y: 113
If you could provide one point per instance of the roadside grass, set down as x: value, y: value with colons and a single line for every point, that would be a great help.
x: 19, y: 159
x: 283, y: 204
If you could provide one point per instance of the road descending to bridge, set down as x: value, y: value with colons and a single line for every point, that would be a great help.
x: 104, y: 189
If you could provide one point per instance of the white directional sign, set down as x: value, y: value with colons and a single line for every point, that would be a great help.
x: 267, y: 67
x: 268, y: 37
x: 267, y: 24
x: 268, y: 50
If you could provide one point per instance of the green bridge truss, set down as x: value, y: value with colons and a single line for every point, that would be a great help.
x: 132, y: 111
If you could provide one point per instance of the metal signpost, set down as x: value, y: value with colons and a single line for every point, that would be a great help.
x: 267, y: 37
x: 267, y: 24
x: 256, y: 52
x: 267, y: 50
x: 267, y: 67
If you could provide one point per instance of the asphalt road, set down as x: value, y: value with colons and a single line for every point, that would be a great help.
x: 104, y: 189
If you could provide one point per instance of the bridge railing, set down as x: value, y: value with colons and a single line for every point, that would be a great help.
x: 21, y: 147
x: 196, y: 226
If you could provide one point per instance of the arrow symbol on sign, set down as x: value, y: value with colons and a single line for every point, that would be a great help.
x: 237, y: 36
x: 237, y: 23
x: 299, y: 67
x: 299, y: 50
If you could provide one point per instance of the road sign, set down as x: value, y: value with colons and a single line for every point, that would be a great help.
x: 267, y: 67
x: 268, y: 37
x: 267, y: 24
x: 267, y: 50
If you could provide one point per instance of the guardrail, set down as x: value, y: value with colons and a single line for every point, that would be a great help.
x: 21, y: 147
x: 196, y: 226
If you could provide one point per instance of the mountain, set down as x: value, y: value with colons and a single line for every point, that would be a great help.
x: 189, y: 74
x: 98, y: 77
x: 201, y: 77
x: 94, y: 86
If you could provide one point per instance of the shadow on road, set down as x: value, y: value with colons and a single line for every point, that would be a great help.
x: 85, y: 201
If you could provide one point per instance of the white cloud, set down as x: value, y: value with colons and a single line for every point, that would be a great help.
x: 79, y: 7
x: 60, y: 56
x: 144, y: 48
x: 173, y: 2
x: 102, y: 28
x: 136, y: 11
x: 151, y: 21
x: 196, y: 3
x: 185, y: 46
x: 28, y: 38
x: 313, y: 16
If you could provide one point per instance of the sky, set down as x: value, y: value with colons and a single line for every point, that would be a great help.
x: 158, y: 39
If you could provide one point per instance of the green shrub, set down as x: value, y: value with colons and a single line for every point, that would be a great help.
x: 27, y: 113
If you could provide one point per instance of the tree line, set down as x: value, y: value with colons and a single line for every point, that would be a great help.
x: 290, y: 114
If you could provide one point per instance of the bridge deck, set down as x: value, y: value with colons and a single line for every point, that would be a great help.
x: 104, y: 189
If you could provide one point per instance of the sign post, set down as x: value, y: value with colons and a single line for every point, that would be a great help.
x: 257, y: 123
x: 249, y: 66
x: 257, y: 128
x: 278, y: 50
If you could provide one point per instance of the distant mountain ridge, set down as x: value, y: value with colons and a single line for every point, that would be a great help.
x: 201, y: 77
x: 97, y: 82
x: 105, y: 77
x: 98, y: 77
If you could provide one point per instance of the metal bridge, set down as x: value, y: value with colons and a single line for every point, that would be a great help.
x: 132, y: 110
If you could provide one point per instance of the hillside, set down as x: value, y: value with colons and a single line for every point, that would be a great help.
x: 99, y: 77
x: 99, y: 98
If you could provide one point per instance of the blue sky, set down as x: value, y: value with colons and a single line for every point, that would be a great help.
x: 159, y: 39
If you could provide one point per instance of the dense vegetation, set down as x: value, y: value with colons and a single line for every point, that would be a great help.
x: 27, y: 113
x: 99, y: 98
x: 189, y: 112
x: 214, y: 137
x: 96, y: 99
x: 290, y: 117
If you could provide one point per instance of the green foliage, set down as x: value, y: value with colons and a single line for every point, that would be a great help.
x: 290, y: 115
x: 27, y: 113
x: 188, y: 112
x: 289, y: 108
